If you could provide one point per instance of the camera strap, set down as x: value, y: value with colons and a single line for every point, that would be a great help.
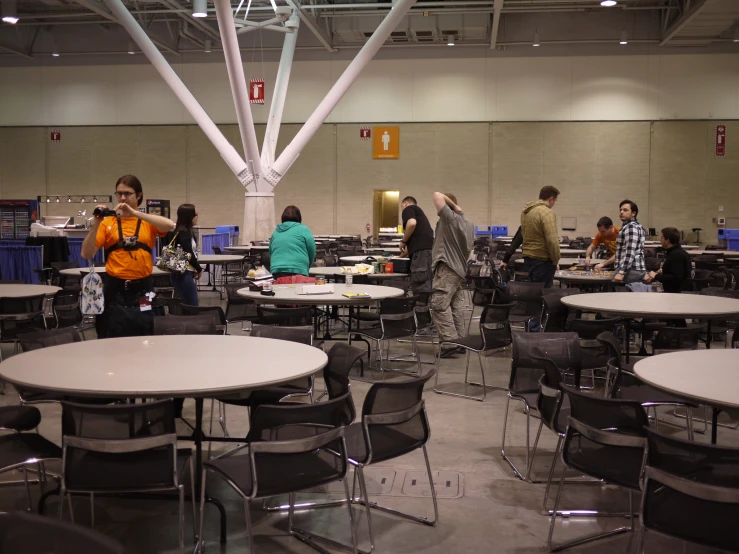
x: 122, y: 242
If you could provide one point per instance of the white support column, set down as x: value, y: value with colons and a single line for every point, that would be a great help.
x: 227, y: 152
x: 238, y: 88
x: 259, y: 216
x: 278, y: 99
x: 365, y: 55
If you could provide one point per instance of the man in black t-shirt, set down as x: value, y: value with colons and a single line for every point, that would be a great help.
x: 418, y: 239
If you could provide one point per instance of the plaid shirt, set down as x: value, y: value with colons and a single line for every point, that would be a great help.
x: 630, y: 248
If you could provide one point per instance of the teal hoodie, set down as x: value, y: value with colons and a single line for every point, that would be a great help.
x: 291, y: 249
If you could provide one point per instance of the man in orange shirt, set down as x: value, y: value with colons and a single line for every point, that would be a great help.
x: 128, y: 240
x: 607, y: 235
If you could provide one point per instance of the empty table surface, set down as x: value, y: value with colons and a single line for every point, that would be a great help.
x: 654, y: 304
x: 707, y: 376
x: 219, y: 258
x: 84, y: 270
x: 717, y: 253
x: 167, y: 365
x: 334, y: 271
x: 288, y: 294
x: 16, y: 291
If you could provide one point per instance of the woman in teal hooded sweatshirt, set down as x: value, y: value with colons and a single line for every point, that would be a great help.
x: 292, y: 249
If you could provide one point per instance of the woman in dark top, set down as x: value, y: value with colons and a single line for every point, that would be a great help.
x: 185, y: 283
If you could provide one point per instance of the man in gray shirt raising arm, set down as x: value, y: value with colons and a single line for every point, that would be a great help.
x: 452, y: 245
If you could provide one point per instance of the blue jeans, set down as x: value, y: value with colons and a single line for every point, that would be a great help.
x: 540, y: 271
x: 184, y: 286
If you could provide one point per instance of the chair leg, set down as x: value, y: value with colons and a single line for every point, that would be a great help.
x: 533, y: 450
x: 201, y: 537
x: 181, y: 514
x: 192, y: 499
x: 641, y: 540
x: 62, y: 494
x: 551, y: 473
x: 92, y: 510
x: 247, y: 517
x: 515, y: 469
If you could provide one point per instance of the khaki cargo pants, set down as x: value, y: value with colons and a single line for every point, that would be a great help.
x: 447, y: 303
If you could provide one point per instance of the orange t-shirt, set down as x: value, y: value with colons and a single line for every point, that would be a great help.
x: 610, y: 243
x: 121, y: 263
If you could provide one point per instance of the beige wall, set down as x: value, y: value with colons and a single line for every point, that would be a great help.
x: 668, y: 168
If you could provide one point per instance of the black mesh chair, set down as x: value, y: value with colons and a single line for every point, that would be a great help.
x: 672, y: 339
x: 162, y: 285
x: 185, y: 325
x: 527, y: 300
x: 34, y: 534
x: 23, y: 314
x: 722, y: 325
x: 691, y: 492
x: 234, y: 270
x: 605, y: 440
x: 554, y: 314
x: 59, y: 280
x: 394, y: 423
x: 290, y: 448
x: 125, y: 448
x: 526, y: 372
x: 216, y: 312
x: 483, y: 292
x: 594, y: 356
x: 494, y: 335
x: 20, y: 449
x: 701, y: 279
x: 285, y: 317
x: 173, y: 305
x: 66, y: 308
x: 397, y: 319
x: 239, y: 308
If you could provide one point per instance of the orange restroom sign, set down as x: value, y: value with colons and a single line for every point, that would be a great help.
x: 386, y: 143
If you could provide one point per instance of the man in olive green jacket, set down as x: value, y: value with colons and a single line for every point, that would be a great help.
x: 540, y: 240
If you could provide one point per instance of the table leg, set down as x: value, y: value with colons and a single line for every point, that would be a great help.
x: 709, y: 337
x: 198, y: 439
x: 714, y: 425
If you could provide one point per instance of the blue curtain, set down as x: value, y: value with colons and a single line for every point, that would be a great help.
x: 75, y: 253
x: 19, y: 262
x: 217, y: 239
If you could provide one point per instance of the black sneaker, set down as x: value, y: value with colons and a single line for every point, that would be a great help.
x: 450, y: 352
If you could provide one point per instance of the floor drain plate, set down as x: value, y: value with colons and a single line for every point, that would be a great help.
x: 449, y: 484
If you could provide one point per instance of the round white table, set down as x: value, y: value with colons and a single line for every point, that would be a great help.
x: 651, y: 304
x: 690, y: 247
x: 336, y: 271
x: 394, y: 243
x: 717, y: 253
x: 17, y: 291
x: 219, y: 258
x: 77, y: 271
x: 391, y: 249
x: 583, y: 278
x: 567, y: 251
x: 360, y: 259
x: 705, y: 376
x: 566, y: 262
x: 288, y: 294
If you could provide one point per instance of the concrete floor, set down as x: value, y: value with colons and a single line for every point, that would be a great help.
x: 496, y: 513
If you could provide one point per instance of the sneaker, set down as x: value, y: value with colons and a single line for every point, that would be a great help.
x: 450, y: 352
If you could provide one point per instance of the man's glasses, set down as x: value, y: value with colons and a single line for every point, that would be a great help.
x: 124, y: 194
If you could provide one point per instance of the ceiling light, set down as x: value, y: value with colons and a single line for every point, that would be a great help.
x: 200, y: 8
x: 608, y: 3
x: 536, y: 39
x: 57, y: 199
x: 48, y: 199
x: 82, y: 200
x: 624, y: 39
x: 69, y: 199
x: 206, y: 47
x: 450, y: 41
x: 95, y: 199
x: 131, y: 47
x: 10, y: 12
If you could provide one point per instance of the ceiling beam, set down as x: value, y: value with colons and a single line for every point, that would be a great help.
x: 312, y: 24
x: 686, y: 17
x: 102, y: 10
x: 15, y: 51
x: 497, y: 8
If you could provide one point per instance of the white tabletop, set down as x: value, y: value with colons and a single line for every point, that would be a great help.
x: 391, y: 243
x: 566, y: 251
x: 85, y: 270
x: 563, y: 262
x: 389, y: 234
x: 708, y: 376
x: 691, y: 247
x: 219, y: 258
x: 288, y: 294
x: 166, y: 365
x: 717, y: 253
x: 382, y: 249
x: 333, y: 271
x: 16, y: 291
x: 654, y: 304
x: 359, y: 259
x: 237, y: 248
x: 565, y: 276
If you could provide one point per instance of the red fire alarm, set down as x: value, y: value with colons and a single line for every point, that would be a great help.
x: 256, y: 91
x: 365, y: 133
x: 720, y: 141
x: 56, y: 135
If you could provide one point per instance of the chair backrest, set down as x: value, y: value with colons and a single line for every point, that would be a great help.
x: 239, y: 308
x: 696, y: 479
x: 173, y: 305
x: 35, y: 534
x: 483, y: 291
x: 302, y: 335
x: 214, y: 311
x: 495, y: 326
x: 609, y: 341
x: 589, y: 329
x: 44, y: 339
x: 22, y: 304
x: 341, y: 358
x: 66, y: 307
x: 554, y: 313
x: 550, y: 398
x: 409, y: 427
x: 526, y: 367
x: 527, y: 297
x: 185, y: 325
x: 217, y: 250
x: 398, y: 317
x: 109, y: 437
x: 605, y: 438
x: 678, y: 338
x: 286, y: 317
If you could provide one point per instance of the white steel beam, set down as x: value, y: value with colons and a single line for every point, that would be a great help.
x: 497, y: 8
x: 227, y: 152
x: 365, y: 55
x: 278, y: 99
x: 686, y: 17
x: 239, y: 89
x: 312, y: 24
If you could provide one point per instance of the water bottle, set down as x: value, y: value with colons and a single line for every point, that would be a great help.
x: 349, y: 279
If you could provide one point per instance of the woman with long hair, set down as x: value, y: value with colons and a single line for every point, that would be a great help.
x: 185, y: 283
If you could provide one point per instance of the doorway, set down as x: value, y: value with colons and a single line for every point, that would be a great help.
x: 385, y: 211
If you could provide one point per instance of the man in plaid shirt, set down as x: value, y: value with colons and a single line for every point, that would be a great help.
x: 630, y: 267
